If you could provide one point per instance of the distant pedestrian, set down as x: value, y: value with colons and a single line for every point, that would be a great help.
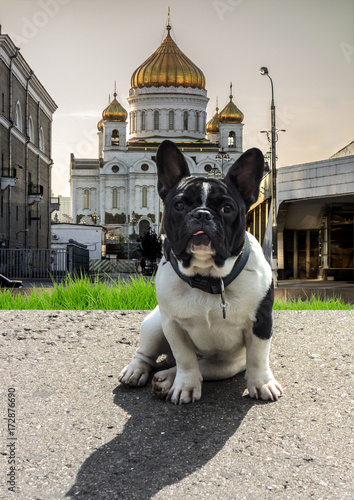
x: 143, y: 265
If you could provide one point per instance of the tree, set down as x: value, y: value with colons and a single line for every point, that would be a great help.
x: 150, y: 245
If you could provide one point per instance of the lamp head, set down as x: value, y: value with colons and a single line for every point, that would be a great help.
x: 264, y: 70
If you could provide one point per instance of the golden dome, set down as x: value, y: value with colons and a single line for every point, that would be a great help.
x: 100, y: 125
x: 114, y: 112
x: 231, y: 113
x: 168, y: 67
x: 212, y: 126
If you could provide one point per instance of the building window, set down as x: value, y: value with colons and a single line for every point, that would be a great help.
x: 86, y: 199
x: 130, y: 122
x: 185, y: 120
x: 143, y: 120
x: 41, y: 140
x: 144, y: 167
x: 156, y: 120
x: 18, y: 116
x: 115, y: 169
x: 171, y: 120
x: 3, y: 103
x: 144, y: 227
x: 30, y: 129
x: 134, y: 122
x: 197, y: 121
x: 231, y: 140
x: 208, y: 168
x: 144, y: 197
x: 115, y: 138
x: 115, y: 198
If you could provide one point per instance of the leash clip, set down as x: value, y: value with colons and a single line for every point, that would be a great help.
x: 223, y: 301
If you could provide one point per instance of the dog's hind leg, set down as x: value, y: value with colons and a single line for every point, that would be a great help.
x: 210, y: 370
x: 152, y: 345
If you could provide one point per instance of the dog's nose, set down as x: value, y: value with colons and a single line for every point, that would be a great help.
x: 202, y: 215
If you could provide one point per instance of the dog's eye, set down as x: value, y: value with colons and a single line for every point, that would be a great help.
x: 227, y: 209
x: 179, y: 205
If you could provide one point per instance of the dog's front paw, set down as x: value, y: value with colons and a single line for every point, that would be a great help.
x: 136, y: 374
x: 185, y: 390
x: 264, y: 386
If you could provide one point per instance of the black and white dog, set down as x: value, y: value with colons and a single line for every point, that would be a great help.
x: 214, y: 286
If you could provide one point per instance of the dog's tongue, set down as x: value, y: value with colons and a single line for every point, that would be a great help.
x: 198, y: 232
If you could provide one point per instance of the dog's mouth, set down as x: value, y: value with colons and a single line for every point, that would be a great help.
x: 200, y: 243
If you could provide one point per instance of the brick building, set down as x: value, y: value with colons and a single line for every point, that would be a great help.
x: 26, y: 111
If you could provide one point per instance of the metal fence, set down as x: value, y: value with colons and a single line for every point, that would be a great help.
x: 43, y: 263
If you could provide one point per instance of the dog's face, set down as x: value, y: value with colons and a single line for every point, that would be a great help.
x: 203, y: 215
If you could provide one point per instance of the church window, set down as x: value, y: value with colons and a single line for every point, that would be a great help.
x: 144, y: 197
x: 143, y: 120
x: 208, y: 168
x: 3, y: 103
x: 197, y: 121
x: 130, y: 122
x: 134, y: 122
x: 18, y: 116
x: 144, y: 227
x: 115, y: 138
x: 115, y: 198
x: 145, y: 167
x: 115, y: 169
x: 30, y: 129
x: 185, y: 120
x: 41, y: 140
x: 231, y: 140
x: 156, y: 120
x: 171, y: 120
x: 86, y: 199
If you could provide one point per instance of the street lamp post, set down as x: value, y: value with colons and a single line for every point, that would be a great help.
x: 221, y: 156
x: 264, y: 71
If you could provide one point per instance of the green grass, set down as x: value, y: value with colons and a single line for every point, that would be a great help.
x: 137, y: 294
x: 83, y: 294
x: 311, y: 304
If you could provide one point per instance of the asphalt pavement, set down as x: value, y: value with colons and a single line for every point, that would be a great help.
x: 69, y: 430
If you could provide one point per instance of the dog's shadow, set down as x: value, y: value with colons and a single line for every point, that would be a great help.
x: 161, y: 443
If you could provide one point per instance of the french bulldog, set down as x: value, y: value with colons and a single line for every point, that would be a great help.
x: 213, y: 285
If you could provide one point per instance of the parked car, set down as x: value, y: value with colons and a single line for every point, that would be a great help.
x: 7, y: 283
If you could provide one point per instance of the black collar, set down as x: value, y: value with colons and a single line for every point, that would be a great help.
x: 209, y: 284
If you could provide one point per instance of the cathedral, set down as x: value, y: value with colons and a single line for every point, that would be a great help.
x: 167, y: 100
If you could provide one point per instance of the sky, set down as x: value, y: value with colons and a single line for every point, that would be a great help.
x: 79, y: 48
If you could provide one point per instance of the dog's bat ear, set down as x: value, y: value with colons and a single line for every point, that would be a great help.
x: 246, y: 174
x: 171, y: 167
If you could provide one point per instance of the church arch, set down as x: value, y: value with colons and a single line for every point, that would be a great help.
x: 115, y: 137
x: 144, y: 227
